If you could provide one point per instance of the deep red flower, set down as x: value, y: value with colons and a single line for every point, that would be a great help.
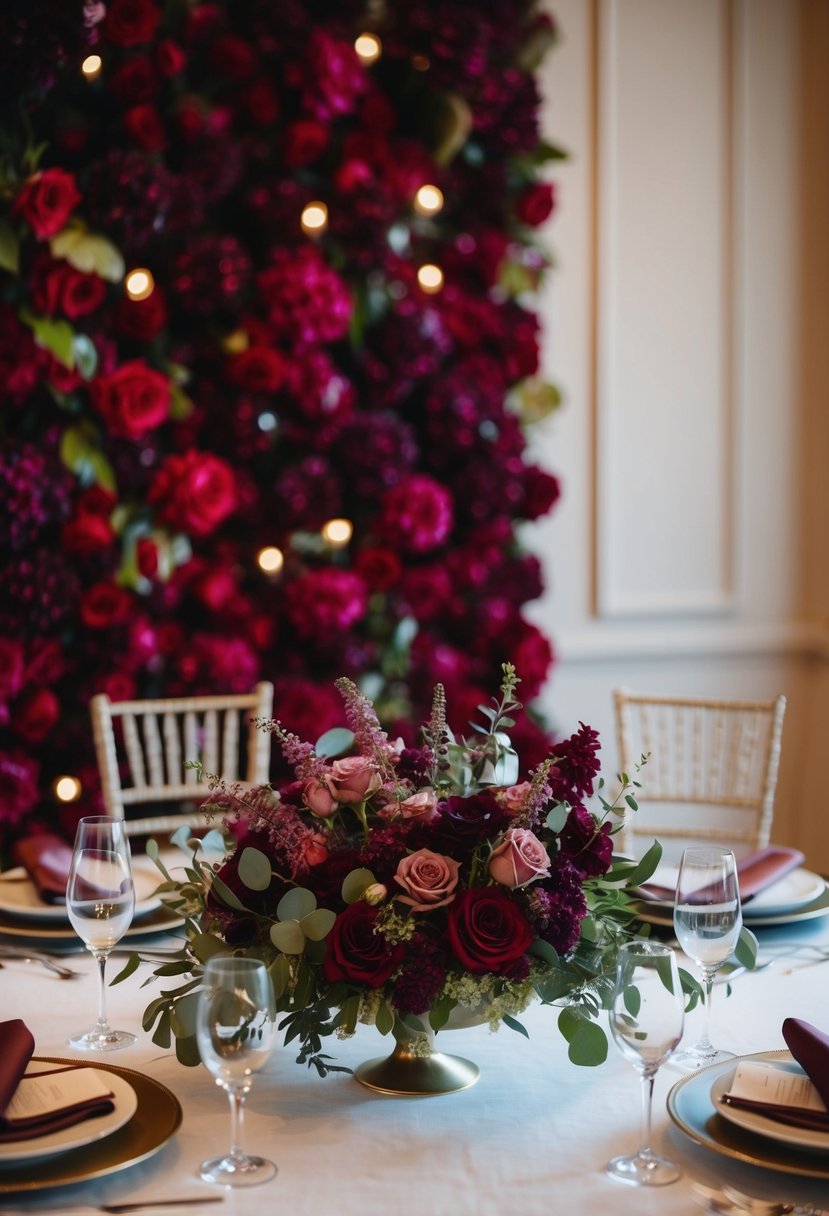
x: 19, y: 777
x: 417, y: 513
x: 143, y: 123
x: 47, y: 200
x: 36, y: 715
x: 146, y: 556
x: 105, y: 604
x: 11, y: 668
x: 87, y: 533
x: 535, y: 204
x: 132, y: 400
x: 356, y: 953
x: 135, y: 81
x: 305, y: 141
x: 131, y: 22
x: 258, y: 369
x: 487, y: 931
x: 194, y: 492
x: 325, y: 602
x: 588, y: 844
x: 381, y: 568
x: 144, y: 319
x: 170, y: 59
x: 58, y: 287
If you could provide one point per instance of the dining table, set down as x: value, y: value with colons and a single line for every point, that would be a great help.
x: 531, y: 1136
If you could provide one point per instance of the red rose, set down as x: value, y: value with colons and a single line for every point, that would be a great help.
x: 131, y: 22
x: 356, y: 953
x: 232, y: 57
x: 304, y: 142
x: 36, y: 715
x: 87, y: 534
x: 97, y: 500
x: 143, y: 123
x: 47, y: 200
x: 144, y: 319
x: 103, y: 605
x: 135, y: 81
x: 535, y: 204
x: 487, y: 931
x: 541, y: 492
x: 194, y: 492
x: 59, y: 287
x: 380, y: 568
x: 258, y: 369
x: 146, y: 556
x: 132, y: 400
x: 169, y: 58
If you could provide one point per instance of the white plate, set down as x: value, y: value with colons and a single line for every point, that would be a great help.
x: 19, y: 897
x: 792, y: 891
x: 158, y: 920
x: 87, y: 1132
x: 762, y: 1125
x: 659, y: 914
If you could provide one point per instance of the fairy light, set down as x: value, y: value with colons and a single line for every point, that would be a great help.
x: 91, y: 66
x: 337, y: 532
x: 139, y: 284
x: 270, y: 559
x: 430, y: 277
x: 428, y: 200
x: 369, y: 48
x: 314, y: 218
x: 67, y: 789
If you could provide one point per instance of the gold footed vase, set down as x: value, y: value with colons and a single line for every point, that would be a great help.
x: 415, y: 1070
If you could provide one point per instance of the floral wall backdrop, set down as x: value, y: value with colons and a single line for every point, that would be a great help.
x: 267, y: 356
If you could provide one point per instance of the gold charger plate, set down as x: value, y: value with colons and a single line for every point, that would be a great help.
x: 157, y: 1118
x: 692, y: 1109
x: 158, y: 921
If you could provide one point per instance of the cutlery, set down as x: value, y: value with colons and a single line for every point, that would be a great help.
x: 730, y: 1200
x: 135, y: 1205
x: 34, y: 956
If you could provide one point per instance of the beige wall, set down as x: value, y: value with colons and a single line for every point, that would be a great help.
x: 686, y: 322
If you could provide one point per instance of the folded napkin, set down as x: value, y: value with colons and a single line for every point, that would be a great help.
x: 810, y: 1047
x: 46, y: 859
x: 16, y: 1048
x: 755, y: 872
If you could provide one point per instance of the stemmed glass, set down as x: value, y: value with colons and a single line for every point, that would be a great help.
x: 100, y: 901
x: 235, y: 1026
x: 646, y: 1020
x: 707, y: 923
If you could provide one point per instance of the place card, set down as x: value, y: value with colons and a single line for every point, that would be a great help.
x: 764, y: 1085
x: 50, y: 1092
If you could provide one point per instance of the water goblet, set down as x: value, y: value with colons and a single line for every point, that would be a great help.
x: 646, y: 1019
x: 707, y: 923
x: 100, y: 901
x: 235, y: 1027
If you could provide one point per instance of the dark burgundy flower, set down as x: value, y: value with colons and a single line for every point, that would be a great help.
x: 587, y: 843
x: 535, y: 204
x: 474, y: 816
x: 417, y: 514
x: 142, y: 320
x: 541, y: 492
x: 105, y: 604
x: 557, y: 906
x: 356, y: 953
x: 259, y: 369
x: 19, y: 776
x: 144, y: 125
x: 11, y: 668
x: 131, y: 22
x: 577, y: 765
x: 487, y: 931
x: 135, y: 81
x: 47, y: 200
x: 380, y: 568
x: 423, y: 973
x: 306, y: 301
x: 36, y: 715
x: 326, y: 602
x: 305, y: 141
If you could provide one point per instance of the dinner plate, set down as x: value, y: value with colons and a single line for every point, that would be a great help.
x: 19, y: 897
x: 159, y: 920
x: 659, y: 914
x: 763, y: 1125
x: 79, y: 1134
x: 692, y: 1109
x: 157, y: 1117
x: 794, y: 890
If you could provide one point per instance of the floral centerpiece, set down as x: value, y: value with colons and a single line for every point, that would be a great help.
x: 394, y: 885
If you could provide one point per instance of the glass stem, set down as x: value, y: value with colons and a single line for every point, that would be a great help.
x: 647, y: 1106
x: 705, y: 1043
x: 103, y: 1025
x: 237, y: 1123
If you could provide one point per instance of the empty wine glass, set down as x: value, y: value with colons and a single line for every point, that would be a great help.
x: 100, y: 901
x: 707, y: 923
x: 235, y: 1026
x: 646, y: 1019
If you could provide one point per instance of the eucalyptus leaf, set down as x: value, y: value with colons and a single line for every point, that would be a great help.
x: 296, y: 903
x: 335, y: 742
x: 223, y: 893
x: 514, y: 1024
x: 747, y: 947
x: 557, y: 817
x: 542, y: 949
x: 288, y: 937
x: 588, y: 1045
x: 355, y: 884
x: 206, y: 945
x: 183, y: 1016
x: 384, y: 1021
x: 280, y: 973
x: 127, y: 970
x: 318, y: 924
x: 187, y: 1051
x: 9, y: 248
x: 646, y: 865
x: 632, y: 999
x: 255, y: 869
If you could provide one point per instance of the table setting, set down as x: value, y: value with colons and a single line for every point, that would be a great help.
x: 515, y: 1091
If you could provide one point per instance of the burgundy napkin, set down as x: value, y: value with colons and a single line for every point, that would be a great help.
x: 16, y: 1048
x: 810, y: 1047
x: 46, y: 859
x: 755, y: 872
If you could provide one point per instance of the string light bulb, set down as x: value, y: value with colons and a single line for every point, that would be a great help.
x: 139, y: 284
x: 314, y: 218
x: 430, y: 278
x: 270, y: 559
x: 337, y: 532
x: 67, y: 789
x: 428, y: 200
x: 91, y: 66
x: 369, y: 48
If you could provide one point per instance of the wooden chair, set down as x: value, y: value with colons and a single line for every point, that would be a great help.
x: 711, y: 771
x: 143, y: 760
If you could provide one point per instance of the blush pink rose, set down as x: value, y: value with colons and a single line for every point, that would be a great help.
x: 354, y: 778
x: 429, y: 880
x: 519, y: 859
x: 514, y: 797
x: 319, y: 799
x: 422, y: 805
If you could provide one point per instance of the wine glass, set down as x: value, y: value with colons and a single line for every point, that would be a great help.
x: 646, y: 1020
x: 235, y: 1026
x: 707, y: 923
x: 100, y: 901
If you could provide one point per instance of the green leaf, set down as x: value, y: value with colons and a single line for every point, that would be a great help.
x: 335, y: 742
x: 187, y: 1051
x: 223, y: 893
x: 632, y: 999
x: 588, y: 1045
x: 183, y: 1016
x: 55, y: 336
x: 384, y: 1021
x: 254, y: 869
x: 645, y: 867
x: 206, y: 945
x: 81, y: 454
x: 288, y: 937
x: 86, y: 355
x: 557, y: 817
x: 87, y: 252
x: 747, y: 947
x: 318, y: 924
x: 9, y: 248
x: 280, y: 973
x: 296, y: 903
x: 161, y: 1037
x: 514, y: 1024
x: 542, y: 949
x: 534, y: 399
x: 127, y: 970
x: 355, y: 884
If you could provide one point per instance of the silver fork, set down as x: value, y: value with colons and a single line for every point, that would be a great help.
x: 36, y: 956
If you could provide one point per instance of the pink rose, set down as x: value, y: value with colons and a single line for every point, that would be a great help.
x: 422, y: 805
x: 318, y: 798
x: 354, y: 778
x: 514, y: 797
x: 429, y: 880
x: 519, y: 859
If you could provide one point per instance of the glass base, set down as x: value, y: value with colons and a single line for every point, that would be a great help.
x: 700, y: 1056
x: 101, y: 1040
x: 237, y: 1171
x: 643, y: 1169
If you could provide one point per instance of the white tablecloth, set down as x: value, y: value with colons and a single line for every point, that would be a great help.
x: 531, y: 1137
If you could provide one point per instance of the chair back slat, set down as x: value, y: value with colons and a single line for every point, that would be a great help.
x: 172, y: 748
x: 135, y: 752
x: 153, y: 750
x: 230, y: 746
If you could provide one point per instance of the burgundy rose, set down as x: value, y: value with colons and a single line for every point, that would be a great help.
x: 19, y: 776
x: 304, y: 142
x: 476, y: 815
x: 194, y: 492
x: 233, y: 57
x: 258, y: 369
x: 47, y: 200
x: 306, y: 301
x: 104, y: 604
x: 541, y: 492
x: 169, y: 58
x: 356, y: 953
x: 132, y: 400
x: 416, y: 514
x: 59, y: 287
x: 535, y: 204
x: 131, y: 22
x: 146, y: 556
x: 86, y: 534
x: 143, y: 124
x: 135, y: 81
x: 381, y: 568
x: 36, y: 715
x: 487, y: 931
x: 144, y: 319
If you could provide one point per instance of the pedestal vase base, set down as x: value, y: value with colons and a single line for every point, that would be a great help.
x: 417, y: 1076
